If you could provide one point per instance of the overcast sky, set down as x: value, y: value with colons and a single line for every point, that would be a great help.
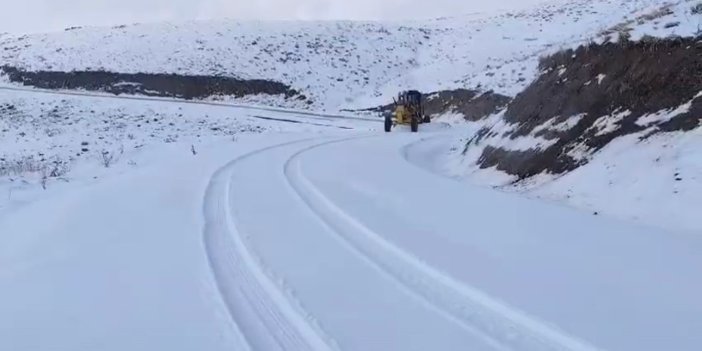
x: 19, y: 16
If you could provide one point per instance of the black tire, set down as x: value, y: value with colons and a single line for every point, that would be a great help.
x: 427, y: 119
x: 388, y: 124
x: 414, y: 125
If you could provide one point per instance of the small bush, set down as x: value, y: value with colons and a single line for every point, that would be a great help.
x: 108, y: 158
x: 696, y: 9
x: 58, y: 168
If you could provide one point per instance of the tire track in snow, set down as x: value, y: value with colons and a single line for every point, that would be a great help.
x: 264, y: 315
x: 501, y: 325
x: 297, y: 122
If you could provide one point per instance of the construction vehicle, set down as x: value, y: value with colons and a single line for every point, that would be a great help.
x: 408, y: 109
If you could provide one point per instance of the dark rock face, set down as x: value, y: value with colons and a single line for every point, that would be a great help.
x: 159, y: 85
x: 626, y: 79
x: 472, y: 104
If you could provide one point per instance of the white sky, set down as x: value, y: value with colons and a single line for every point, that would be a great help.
x: 19, y: 16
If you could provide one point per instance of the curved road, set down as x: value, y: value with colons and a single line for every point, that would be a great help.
x: 342, y: 243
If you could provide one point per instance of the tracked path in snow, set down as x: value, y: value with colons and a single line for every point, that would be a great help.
x: 271, y: 309
x: 504, y: 327
x: 340, y: 242
x: 275, y: 312
x: 264, y: 315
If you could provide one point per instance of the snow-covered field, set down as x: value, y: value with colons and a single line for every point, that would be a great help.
x: 52, y: 140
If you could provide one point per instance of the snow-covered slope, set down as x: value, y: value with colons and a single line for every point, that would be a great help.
x: 343, y: 64
x: 656, y: 181
x: 600, y: 129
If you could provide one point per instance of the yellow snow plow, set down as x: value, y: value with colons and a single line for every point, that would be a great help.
x: 409, y: 109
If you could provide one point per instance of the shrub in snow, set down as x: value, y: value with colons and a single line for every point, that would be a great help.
x: 108, y: 158
x: 58, y: 168
x: 696, y: 9
x: 47, y: 169
x: 23, y: 165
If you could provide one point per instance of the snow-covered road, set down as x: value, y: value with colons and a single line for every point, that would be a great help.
x: 231, y: 105
x: 335, y: 241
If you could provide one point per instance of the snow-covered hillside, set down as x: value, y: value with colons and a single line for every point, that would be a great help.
x: 609, y: 128
x: 345, y: 64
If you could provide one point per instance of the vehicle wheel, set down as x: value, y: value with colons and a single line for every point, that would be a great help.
x: 388, y: 124
x: 414, y: 125
x: 427, y: 119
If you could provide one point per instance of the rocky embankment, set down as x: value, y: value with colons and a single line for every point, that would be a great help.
x: 157, y: 85
x: 587, y: 97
